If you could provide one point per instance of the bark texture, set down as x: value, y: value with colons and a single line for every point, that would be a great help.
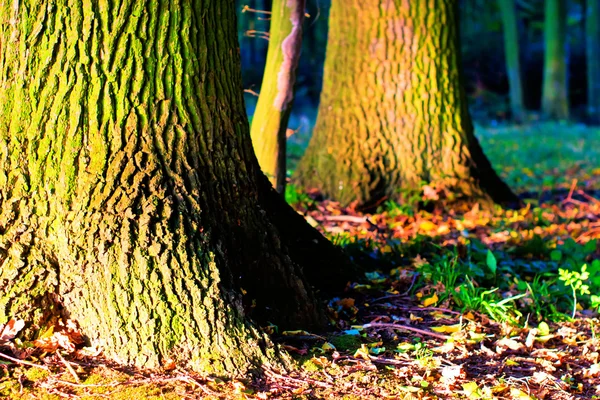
x: 511, y: 53
x: 269, y: 124
x: 130, y: 198
x: 592, y: 23
x: 555, y: 93
x: 393, y: 113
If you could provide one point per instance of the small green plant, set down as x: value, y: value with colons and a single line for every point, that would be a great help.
x: 394, y: 209
x: 294, y: 196
x: 471, y: 297
x: 575, y: 280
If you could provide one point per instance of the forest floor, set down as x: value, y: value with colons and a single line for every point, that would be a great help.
x: 466, y: 305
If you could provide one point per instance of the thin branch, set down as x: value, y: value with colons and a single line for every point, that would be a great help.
x: 247, y: 8
x: 274, y: 374
x: 252, y: 92
x: 23, y: 362
x: 346, y: 218
x: 69, y: 368
x: 406, y: 328
x: 258, y: 34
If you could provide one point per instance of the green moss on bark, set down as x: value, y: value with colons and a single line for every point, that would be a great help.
x: 131, y: 200
x: 393, y: 114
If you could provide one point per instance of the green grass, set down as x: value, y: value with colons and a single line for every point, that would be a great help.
x: 542, y: 155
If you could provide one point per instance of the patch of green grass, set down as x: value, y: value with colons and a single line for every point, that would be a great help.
x: 346, y: 342
x: 508, y: 289
x: 542, y: 155
x: 296, y: 197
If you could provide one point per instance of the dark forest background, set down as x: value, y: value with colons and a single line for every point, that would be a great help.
x: 482, y: 56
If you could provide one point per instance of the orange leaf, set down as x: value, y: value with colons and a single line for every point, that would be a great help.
x: 11, y: 329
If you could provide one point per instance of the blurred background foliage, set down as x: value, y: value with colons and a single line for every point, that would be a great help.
x: 482, y: 56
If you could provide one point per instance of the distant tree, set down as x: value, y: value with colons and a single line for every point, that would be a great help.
x: 511, y: 54
x: 270, y: 120
x: 130, y: 197
x: 555, y: 96
x: 393, y: 112
x: 593, y: 60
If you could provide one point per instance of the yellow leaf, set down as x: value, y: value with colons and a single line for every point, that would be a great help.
x: 440, y: 315
x: 328, y: 346
x: 470, y: 388
x: 446, y: 328
x: 519, y: 394
x: 427, y: 226
x: 443, y: 229
x: 363, y: 353
x: 413, y: 317
x: 477, y: 337
x: 430, y: 300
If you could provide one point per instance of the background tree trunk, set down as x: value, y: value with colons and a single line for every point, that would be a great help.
x: 393, y: 113
x: 511, y: 53
x: 555, y: 94
x: 270, y: 121
x: 592, y: 24
x: 130, y: 198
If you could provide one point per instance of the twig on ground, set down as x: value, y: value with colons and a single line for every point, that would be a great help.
x: 346, y: 218
x: 588, y: 197
x: 189, y: 379
x: 23, y: 362
x: 275, y: 375
x: 436, y: 309
x: 68, y: 366
x: 570, y: 195
x: 406, y: 328
x: 391, y: 296
x: 387, y: 361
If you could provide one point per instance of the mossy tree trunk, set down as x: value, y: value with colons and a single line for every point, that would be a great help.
x: 130, y: 198
x: 555, y: 93
x: 511, y: 54
x: 269, y: 124
x: 393, y: 113
x: 592, y: 23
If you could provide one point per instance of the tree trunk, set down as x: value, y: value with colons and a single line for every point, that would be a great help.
x: 130, y: 198
x: 511, y: 54
x: 269, y: 124
x: 393, y: 113
x: 593, y: 60
x: 555, y: 96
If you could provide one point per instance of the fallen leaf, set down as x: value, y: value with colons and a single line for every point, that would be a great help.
x: 431, y: 300
x: 346, y: 303
x: 169, y: 365
x: 470, y: 389
x: 446, y: 328
x: 510, y: 344
x: 427, y: 226
x: 11, y: 329
x: 518, y: 394
x: 451, y: 373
